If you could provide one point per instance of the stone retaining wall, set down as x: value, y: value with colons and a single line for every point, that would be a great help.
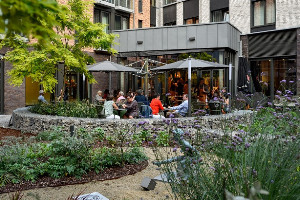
x: 26, y: 121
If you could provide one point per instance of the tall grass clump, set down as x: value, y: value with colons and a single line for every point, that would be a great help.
x: 265, y: 152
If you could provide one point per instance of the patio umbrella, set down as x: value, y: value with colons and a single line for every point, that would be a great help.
x: 189, y: 64
x: 195, y: 63
x: 108, y: 66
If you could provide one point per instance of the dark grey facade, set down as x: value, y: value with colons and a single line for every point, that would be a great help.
x: 274, y: 56
x: 177, y: 39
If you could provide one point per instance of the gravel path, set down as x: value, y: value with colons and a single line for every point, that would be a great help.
x: 125, y: 188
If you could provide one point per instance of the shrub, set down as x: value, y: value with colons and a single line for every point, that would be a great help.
x: 68, y: 109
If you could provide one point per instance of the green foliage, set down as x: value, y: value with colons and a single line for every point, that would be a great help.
x: 201, y: 56
x: 30, y: 18
x: 68, y: 109
x: 163, y: 138
x: 61, y: 156
x: 272, y: 121
x: 39, y: 61
x: 54, y: 134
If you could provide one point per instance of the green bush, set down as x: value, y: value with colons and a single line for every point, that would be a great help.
x: 61, y: 156
x: 68, y: 109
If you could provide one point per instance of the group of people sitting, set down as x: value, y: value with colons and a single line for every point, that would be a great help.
x: 127, y: 107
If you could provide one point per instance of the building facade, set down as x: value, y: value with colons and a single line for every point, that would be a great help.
x: 269, y: 39
x: 268, y: 31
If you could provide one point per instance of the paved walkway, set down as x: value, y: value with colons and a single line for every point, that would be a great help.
x: 4, y: 120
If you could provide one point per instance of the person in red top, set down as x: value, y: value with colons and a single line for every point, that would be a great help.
x: 156, y: 106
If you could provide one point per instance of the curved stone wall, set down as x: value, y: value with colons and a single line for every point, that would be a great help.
x: 26, y: 121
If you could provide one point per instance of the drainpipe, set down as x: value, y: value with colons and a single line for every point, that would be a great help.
x: 133, y: 14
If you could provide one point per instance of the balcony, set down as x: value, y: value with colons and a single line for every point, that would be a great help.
x: 124, y: 5
x: 110, y: 3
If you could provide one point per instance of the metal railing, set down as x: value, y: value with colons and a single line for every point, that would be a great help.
x: 109, y: 1
x: 125, y: 3
x: 166, y: 2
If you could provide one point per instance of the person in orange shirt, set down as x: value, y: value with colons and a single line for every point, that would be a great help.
x: 156, y: 106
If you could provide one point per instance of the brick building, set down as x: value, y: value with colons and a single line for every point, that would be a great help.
x: 268, y: 31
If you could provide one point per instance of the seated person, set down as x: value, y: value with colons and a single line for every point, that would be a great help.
x: 156, y: 106
x: 182, y: 109
x: 41, y: 98
x: 121, y: 97
x: 98, y: 97
x: 106, y: 94
x: 131, y: 107
x: 140, y: 97
x: 109, y: 106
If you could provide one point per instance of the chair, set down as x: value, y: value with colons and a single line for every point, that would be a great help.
x: 100, y: 111
x: 215, y: 107
x: 146, y: 111
x: 140, y: 106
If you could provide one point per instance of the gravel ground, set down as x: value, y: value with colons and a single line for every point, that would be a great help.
x: 4, y: 120
x: 125, y: 188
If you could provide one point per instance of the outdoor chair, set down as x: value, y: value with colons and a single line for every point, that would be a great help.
x: 100, y: 111
x: 215, y: 107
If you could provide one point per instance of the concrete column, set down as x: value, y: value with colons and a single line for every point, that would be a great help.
x: 179, y: 13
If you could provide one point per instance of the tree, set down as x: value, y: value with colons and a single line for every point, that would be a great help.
x: 34, y: 18
x: 74, y: 33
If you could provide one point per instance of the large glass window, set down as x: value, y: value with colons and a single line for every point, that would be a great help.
x: 118, y: 24
x: 220, y: 15
x: 263, y: 12
x: 102, y: 17
x: 284, y: 69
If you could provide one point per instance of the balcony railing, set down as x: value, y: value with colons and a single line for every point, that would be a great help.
x: 125, y: 3
x: 166, y: 2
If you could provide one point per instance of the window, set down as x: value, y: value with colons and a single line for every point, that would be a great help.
x: 118, y: 24
x: 140, y: 23
x: 125, y: 23
x: 140, y: 6
x: 263, y: 12
x: 193, y: 20
x: 102, y: 17
x: 220, y: 15
x: 153, y: 3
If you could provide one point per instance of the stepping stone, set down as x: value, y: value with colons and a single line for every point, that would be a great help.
x: 92, y: 196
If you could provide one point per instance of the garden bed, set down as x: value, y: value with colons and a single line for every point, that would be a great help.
x: 106, y: 174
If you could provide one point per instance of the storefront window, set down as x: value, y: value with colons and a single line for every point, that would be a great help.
x: 284, y: 69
